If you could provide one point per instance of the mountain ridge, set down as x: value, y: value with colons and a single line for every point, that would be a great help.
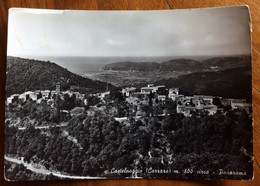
x: 182, y: 64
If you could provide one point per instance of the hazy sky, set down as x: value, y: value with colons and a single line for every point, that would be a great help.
x: 197, y: 32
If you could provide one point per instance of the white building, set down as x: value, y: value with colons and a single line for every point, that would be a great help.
x: 12, y: 98
x: 161, y: 97
x: 201, y: 100
x: 151, y: 89
x: 25, y: 96
x: 241, y: 103
x: 104, y: 94
x: 30, y: 95
x: 148, y: 90
x: 45, y: 94
x: 238, y: 103
x: 211, y: 109
x: 35, y: 95
x: 208, y: 99
x: 128, y: 91
x: 173, y: 93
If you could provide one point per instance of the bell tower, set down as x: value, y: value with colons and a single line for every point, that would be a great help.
x: 58, y: 87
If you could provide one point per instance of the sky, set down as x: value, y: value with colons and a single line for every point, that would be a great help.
x: 194, y: 32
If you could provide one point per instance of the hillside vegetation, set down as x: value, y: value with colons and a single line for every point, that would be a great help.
x: 230, y: 83
x: 28, y: 74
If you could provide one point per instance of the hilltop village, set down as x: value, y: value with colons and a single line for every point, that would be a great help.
x: 152, y: 126
x: 184, y: 104
x: 141, y: 102
x: 61, y: 125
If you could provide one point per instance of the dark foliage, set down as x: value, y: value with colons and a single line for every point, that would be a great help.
x: 231, y: 83
x: 175, y: 142
x: 28, y: 74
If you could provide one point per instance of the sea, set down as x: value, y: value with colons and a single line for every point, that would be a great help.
x: 91, y: 66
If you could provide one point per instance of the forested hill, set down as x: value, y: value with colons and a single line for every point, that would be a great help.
x: 28, y: 74
x: 230, y: 83
x: 212, y: 64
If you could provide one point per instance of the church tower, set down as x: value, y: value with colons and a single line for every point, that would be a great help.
x: 58, y: 88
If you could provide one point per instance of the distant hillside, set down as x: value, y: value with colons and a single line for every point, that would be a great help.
x: 181, y: 65
x: 133, y: 66
x: 28, y: 74
x: 230, y: 83
x: 213, y: 64
x: 178, y: 64
x: 227, y: 62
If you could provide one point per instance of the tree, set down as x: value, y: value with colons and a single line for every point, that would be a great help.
x: 170, y: 107
x: 217, y: 102
x: 151, y: 96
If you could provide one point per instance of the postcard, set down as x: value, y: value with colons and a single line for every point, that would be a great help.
x: 129, y: 94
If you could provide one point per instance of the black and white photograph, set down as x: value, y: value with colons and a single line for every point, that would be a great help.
x: 162, y: 94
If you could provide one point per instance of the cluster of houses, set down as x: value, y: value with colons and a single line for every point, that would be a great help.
x: 186, y: 104
x: 145, y: 91
x: 40, y: 95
